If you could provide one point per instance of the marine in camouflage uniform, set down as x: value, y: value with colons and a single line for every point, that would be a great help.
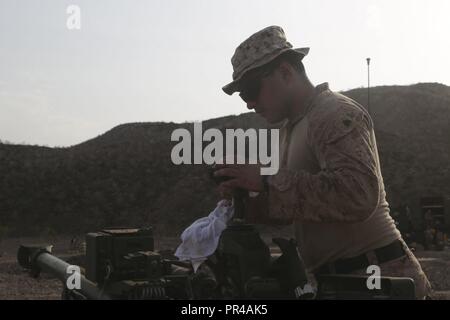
x: 329, y: 185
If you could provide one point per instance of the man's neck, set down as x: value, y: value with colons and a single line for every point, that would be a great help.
x: 302, y: 98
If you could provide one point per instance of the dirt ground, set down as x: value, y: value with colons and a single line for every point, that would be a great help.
x: 15, y: 283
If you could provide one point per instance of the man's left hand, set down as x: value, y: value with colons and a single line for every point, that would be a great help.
x: 244, y: 176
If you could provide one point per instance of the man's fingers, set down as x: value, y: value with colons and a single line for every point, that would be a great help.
x: 232, y: 183
x: 227, y: 172
x: 217, y: 166
x: 224, y: 165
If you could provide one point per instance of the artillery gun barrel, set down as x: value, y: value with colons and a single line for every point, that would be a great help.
x: 39, y: 258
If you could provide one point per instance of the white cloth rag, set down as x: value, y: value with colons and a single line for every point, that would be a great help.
x: 201, y: 238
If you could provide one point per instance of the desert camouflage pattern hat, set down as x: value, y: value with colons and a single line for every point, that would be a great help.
x: 258, y: 50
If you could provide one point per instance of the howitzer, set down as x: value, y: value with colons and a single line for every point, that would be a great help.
x: 122, y: 264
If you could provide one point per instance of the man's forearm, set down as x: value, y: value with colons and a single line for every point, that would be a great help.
x: 340, y: 196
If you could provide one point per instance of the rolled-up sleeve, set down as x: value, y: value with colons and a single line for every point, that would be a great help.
x: 347, y: 187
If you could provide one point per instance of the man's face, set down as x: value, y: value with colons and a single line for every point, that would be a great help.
x: 268, y: 95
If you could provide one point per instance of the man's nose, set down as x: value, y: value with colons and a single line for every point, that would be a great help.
x: 251, y: 105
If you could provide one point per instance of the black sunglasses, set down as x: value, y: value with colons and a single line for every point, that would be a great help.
x: 250, y: 90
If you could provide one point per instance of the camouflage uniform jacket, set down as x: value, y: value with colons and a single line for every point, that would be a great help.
x: 329, y: 185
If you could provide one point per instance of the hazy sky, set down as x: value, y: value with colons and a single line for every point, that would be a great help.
x: 139, y: 61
